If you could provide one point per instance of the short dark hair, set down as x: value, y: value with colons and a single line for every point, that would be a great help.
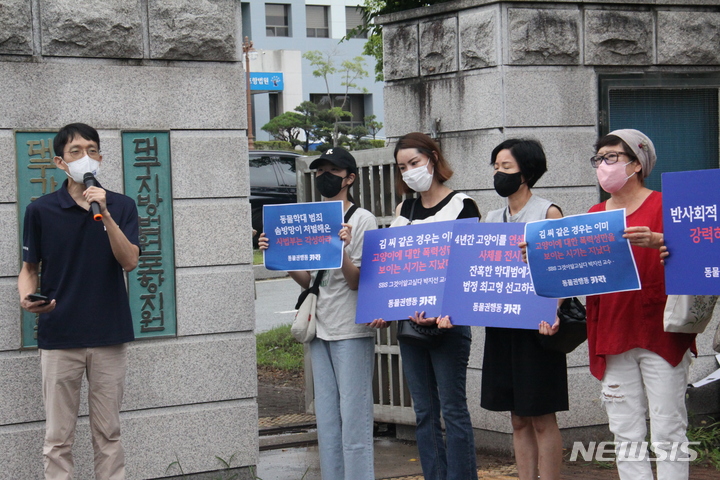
x: 68, y: 132
x: 529, y: 156
x: 427, y: 146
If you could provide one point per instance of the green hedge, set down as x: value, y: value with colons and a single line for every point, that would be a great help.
x: 274, y: 145
x: 287, y: 146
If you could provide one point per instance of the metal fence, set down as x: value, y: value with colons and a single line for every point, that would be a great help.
x: 374, y: 190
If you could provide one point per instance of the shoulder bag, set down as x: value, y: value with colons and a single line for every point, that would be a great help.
x: 573, y: 327
x: 417, y: 335
x: 304, y: 326
x: 688, y: 313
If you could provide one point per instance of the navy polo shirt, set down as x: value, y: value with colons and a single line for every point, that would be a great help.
x: 79, y: 270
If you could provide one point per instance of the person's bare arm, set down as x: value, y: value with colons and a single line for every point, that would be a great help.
x: 301, y: 277
x: 27, y: 284
x: 125, y: 252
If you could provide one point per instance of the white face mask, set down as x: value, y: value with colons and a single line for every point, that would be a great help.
x: 419, y: 179
x: 79, y: 168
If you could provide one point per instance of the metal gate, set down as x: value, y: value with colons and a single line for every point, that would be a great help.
x: 374, y: 190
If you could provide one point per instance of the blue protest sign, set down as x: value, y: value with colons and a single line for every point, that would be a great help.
x: 404, y: 270
x: 581, y: 255
x: 303, y: 236
x: 488, y: 284
x: 690, y: 221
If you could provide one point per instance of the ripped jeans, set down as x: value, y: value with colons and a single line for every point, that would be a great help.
x: 627, y: 403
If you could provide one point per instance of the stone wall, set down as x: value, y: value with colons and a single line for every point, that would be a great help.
x: 119, y: 65
x: 481, y: 71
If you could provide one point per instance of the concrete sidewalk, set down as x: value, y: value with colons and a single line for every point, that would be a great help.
x: 394, y: 459
x: 288, y: 451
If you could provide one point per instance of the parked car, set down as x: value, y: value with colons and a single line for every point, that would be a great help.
x: 272, y: 181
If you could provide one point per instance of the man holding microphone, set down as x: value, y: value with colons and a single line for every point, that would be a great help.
x: 82, y: 239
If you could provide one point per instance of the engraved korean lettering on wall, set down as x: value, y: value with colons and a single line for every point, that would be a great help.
x: 152, y: 283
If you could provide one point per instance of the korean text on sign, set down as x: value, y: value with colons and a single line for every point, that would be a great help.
x: 581, y: 255
x: 488, y: 283
x: 404, y: 270
x: 303, y: 236
x: 692, y: 232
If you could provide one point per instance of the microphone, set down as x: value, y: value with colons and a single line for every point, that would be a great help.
x: 89, y: 181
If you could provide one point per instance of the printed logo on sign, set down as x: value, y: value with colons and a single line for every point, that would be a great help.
x: 635, y: 451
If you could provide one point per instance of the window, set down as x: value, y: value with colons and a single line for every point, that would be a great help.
x: 355, y: 104
x: 679, y: 115
x: 277, y: 20
x: 317, y: 21
x: 246, y: 26
x: 353, y: 19
x: 274, y: 105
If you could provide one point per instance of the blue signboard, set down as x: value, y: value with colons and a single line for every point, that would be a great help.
x: 303, y: 236
x: 690, y: 221
x: 581, y: 255
x: 488, y: 284
x: 266, y: 81
x: 404, y: 270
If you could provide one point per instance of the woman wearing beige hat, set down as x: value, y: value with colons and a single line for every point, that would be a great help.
x: 642, y: 368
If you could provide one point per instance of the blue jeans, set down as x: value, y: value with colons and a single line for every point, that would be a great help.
x: 342, y: 376
x: 436, y: 378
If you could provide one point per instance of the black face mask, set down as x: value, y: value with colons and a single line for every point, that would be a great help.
x: 507, y: 183
x: 329, y: 185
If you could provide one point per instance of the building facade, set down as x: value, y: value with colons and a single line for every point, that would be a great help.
x: 282, y: 32
x: 169, y: 72
x: 476, y: 72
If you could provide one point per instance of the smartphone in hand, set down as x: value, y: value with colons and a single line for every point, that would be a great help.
x: 34, y: 297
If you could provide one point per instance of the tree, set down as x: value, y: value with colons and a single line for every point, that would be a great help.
x: 374, y: 48
x: 286, y: 127
x: 350, y: 72
x: 373, y: 8
x: 357, y: 133
x: 372, y: 126
x: 309, y: 112
x: 325, y: 69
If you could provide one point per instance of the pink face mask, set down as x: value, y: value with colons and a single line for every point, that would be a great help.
x: 612, y: 177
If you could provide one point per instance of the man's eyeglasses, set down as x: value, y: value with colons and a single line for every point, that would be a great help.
x: 78, y: 153
x: 609, y: 158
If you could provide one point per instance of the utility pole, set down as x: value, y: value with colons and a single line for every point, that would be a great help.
x: 247, y: 47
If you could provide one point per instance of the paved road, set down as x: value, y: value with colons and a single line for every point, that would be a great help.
x: 275, y: 303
